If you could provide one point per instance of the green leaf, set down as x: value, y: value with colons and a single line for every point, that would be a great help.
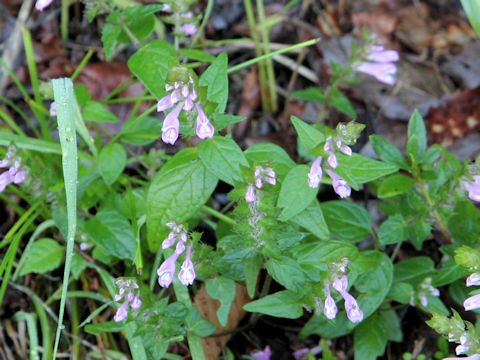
x: 284, y: 304
x: 141, y: 130
x: 197, y: 55
x: 79, y: 264
x: 472, y: 9
x: 95, y: 111
x: 215, y: 79
x: 42, y: 256
x: 197, y: 325
x: 221, y: 121
x: 375, y: 280
x: 295, y: 194
x: 112, y: 231
x: 272, y: 155
x: 393, y: 230
x: 401, y: 292
x: 251, y: 270
x: 177, y: 192
x: 362, y: 169
x: 418, y: 232
x: 371, y: 336
x: 414, y: 270
x: 223, y: 157
x: 312, y: 219
x: 449, y: 273
x: 223, y: 290
x: 346, y: 220
x: 388, y: 152
x: 112, y: 161
x: 464, y: 223
x: 139, y: 21
x: 310, y: 94
x: 309, y: 136
x: 341, y: 102
x: 104, y: 327
x: 110, y: 33
x: 151, y: 63
x: 286, y: 272
x: 395, y: 185
x: 417, y: 136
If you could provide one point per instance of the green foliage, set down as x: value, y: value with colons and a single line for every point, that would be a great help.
x: 112, y: 161
x: 42, y: 256
x: 347, y: 221
x: 223, y: 290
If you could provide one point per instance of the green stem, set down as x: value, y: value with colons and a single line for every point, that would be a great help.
x: 82, y: 64
x: 64, y: 19
x: 218, y: 215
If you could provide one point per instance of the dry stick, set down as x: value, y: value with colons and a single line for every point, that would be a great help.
x: 13, y: 44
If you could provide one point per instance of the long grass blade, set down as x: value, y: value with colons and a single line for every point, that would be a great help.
x: 65, y: 100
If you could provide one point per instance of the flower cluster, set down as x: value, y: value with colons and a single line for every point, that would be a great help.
x: 380, y: 64
x: 40, y: 5
x: 339, y: 282
x: 473, y: 302
x: 16, y: 173
x: 179, y: 236
x: 315, y: 175
x: 473, y: 188
x: 127, y: 290
x: 184, y: 18
x: 423, y: 291
x: 262, y: 175
x: 182, y: 96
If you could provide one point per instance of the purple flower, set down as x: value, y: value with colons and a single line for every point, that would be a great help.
x: 379, y: 63
x: 166, y: 271
x: 340, y: 186
x: 121, y: 313
x: 136, y: 303
x: 378, y: 54
x: 472, y: 303
x: 345, y: 149
x: 332, y: 160
x: 262, y: 355
x: 204, y: 128
x: 330, y: 309
x: 42, y: 4
x: 165, y: 103
x: 187, y: 271
x: 340, y: 284
x: 472, y: 357
x: 262, y: 174
x: 354, y: 313
x: 180, y: 248
x: 16, y: 173
x: 169, y: 241
x: 188, y: 29
x: 473, y: 279
x: 270, y: 176
x: 473, y: 188
x: 5, y: 180
x: 250, y: 195
x: 53, y: 108
x: 383, y: 72
x: 301, y: 353
x: 315, y: 174
x: 171, y: 126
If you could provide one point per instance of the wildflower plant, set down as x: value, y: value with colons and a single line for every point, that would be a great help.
x: 148, y: 227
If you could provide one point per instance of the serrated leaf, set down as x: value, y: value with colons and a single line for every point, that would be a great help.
x: 42, y: 256
x: 112, y: 161
x: 283, y: 304
x: 151, y: 63
x: 251, y: 270
x: 215, y: 78
x: 295, y: 194
x: 286, y: 272
x: 223, y: 157
x: 223, y: 290
x: 139, y: 21
x: 417, y: 133
x: 309, y: 136
x: 393, y: 230
x: 110, y: 33
x: 113, y: 232
x: 346, y: 220
x: 179, y: 189
x: 388, y: 152
x: 312, y: 219
x: 97, y: 112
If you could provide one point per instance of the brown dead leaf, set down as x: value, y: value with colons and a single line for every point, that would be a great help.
x: 213, y: 345
x: 382, y: 24
x: 455, y: 117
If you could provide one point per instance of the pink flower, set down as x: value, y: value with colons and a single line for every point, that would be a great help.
x: 121, y: 313
x: 166, y: 271
x: 383, y: 72
x: 169, y: 241
x: 473, y: 279
x: 345, y: 149
x: 472, y: 303
x: 53, y: 108
x: 262, y: 174
x: 165, y: 103
x: 315, y: 175
x: 378, y: 54
x: 188, y: 29
x: 5, y: 180
x: 250, y: 195
x: 204, y: 128
x: 473, y: 188
x: 332, y: 160
x: 472, y: 357
x: 262, y: 355
x: 340, y: 283
x: 354, y: 313
x: 136, y: 303
x: 180, y: 248
x: 187, y: 272
x: 171, y: 126
x: 42, y: 4
x: 330, y: 309
x: 340, y: 186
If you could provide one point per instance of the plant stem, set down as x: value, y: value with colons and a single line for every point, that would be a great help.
x: 218, y: 215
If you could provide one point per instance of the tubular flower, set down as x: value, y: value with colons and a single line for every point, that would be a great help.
x: 264, y: 174
x: 128, y: 290
x: 40, y: 5
x: 380, y: 64
x: 315, y: 175
x: 16, y: 173
x: 204, y: 128
x: 473, y: 279
x: 473, y: 188
x: 187, y: 272
x: 472, y: 303
x: 354, y: 313
x: 340, y: 186
x: 250, y: 195
x: 330, y: 309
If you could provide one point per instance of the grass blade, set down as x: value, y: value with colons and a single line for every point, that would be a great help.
x: 66, y: 114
